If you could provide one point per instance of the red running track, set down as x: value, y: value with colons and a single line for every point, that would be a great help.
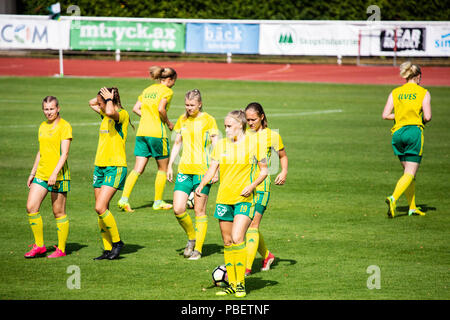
x: 32, y: 67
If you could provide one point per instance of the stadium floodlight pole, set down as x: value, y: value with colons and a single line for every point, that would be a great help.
x: 61, y: 66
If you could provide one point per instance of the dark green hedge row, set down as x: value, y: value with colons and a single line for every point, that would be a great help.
x: 412, y: 10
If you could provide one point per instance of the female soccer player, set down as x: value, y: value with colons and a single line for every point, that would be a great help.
x: 410, y: 108
x: 196, y: 133
x: 237, y: 157
x: 268, y: 140
x: 50, y: 173
x: 110, y: 165
x: 151, y: 137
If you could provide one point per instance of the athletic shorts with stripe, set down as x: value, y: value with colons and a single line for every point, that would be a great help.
x: 110, y: 176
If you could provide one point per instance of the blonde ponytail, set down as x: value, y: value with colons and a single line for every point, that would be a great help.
x: 158, y: 73
x: 409, y: 70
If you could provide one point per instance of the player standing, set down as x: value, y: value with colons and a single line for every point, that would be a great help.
x: 410, y: 108
x: 151, y: 138
x: 110, y: 165
x: 196, y: 134
x: 50, y: 173
x: 268, y: 140
x: 236, y: 156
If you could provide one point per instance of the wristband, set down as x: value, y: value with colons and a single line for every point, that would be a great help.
x: 109, y: 99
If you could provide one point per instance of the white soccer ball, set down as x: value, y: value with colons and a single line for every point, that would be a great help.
x: 190, y: 201
x: 219, y: 276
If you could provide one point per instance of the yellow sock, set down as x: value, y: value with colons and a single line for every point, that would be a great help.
x: 262, y: 249
x: 252, y: 245
x: 62, y: 226
x: 129, y: 184
x: 228, y: 255
x: 402, y: 184
x: 240, y: 261
x: 185, y: 222
x: 160, y: 184
x: 201, y: 225
x: 106, y: 237
x: 37, y: 227
x: 410, y: 194
x: 111, y: 226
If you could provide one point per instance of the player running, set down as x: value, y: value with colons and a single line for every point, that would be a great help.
x: 110, y: 165
x: 236, y: 157
x: 268, y: 140
x: 50, y: 173
x: 151, y: 138
x: 410, y: 108
x: 196, y: 132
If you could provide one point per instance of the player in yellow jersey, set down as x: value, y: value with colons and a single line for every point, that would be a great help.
x: 152, y: 138
x: 110, y: 165
x: 50, y: 173
x: 236, y: 157
x: 410, y: 108
x: 196, y: 132
x: 268, y: 140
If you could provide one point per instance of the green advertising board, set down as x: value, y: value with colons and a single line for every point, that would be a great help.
x: 127, y: 35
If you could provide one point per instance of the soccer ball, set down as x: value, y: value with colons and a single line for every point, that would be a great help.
x: 219, y: 276
x: 190, y: 201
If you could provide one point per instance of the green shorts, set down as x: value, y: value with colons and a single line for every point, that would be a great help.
x: 189, y: 182
x: 407, y: 143
x: 148, y: 147
x: 110, y: 176
x: 59, y: 186
x: 262, y: 200
x: 227, y: 212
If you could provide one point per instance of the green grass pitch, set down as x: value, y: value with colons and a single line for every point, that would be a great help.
x: 326, y: 226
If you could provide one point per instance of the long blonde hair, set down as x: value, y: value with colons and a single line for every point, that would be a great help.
x: 409, y: 70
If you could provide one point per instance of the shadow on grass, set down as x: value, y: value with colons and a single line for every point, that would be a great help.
x: 257, y: 264
x: 207, y: 250
x: 150, y: 205
x: 424, y: 207
x: 258, y: 283
x: 72, y: 247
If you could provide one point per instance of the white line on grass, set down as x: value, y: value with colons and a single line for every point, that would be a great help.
x: 85, y: 124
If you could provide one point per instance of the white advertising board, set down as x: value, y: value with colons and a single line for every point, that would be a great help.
x: 34, y: 34
x: 305, y: 39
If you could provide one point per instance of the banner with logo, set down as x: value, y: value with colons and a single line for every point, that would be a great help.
x: 438, y: 41
x: 222, y: 38
x: 308, y: 39
x: 34, y: 34
x: 127, y: 35
x: 418, y: 40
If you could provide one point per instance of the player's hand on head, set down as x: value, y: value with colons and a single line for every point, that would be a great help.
x: 106, y: 94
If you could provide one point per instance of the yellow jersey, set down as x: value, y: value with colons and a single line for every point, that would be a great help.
x: 408, y: 105
x: 150, y: 124
x: 237, y: 166
x: 50, y: 137
x: 196, y: 133
x: 111, y: 140
x: 267, y: 141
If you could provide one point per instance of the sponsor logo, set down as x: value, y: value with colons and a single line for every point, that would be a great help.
x: 286, y: 38
x: 22, y: 33
x: 406, y: 38
x: 443, y: 42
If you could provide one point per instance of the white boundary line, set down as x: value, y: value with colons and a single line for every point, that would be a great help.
x: 85, y: 124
